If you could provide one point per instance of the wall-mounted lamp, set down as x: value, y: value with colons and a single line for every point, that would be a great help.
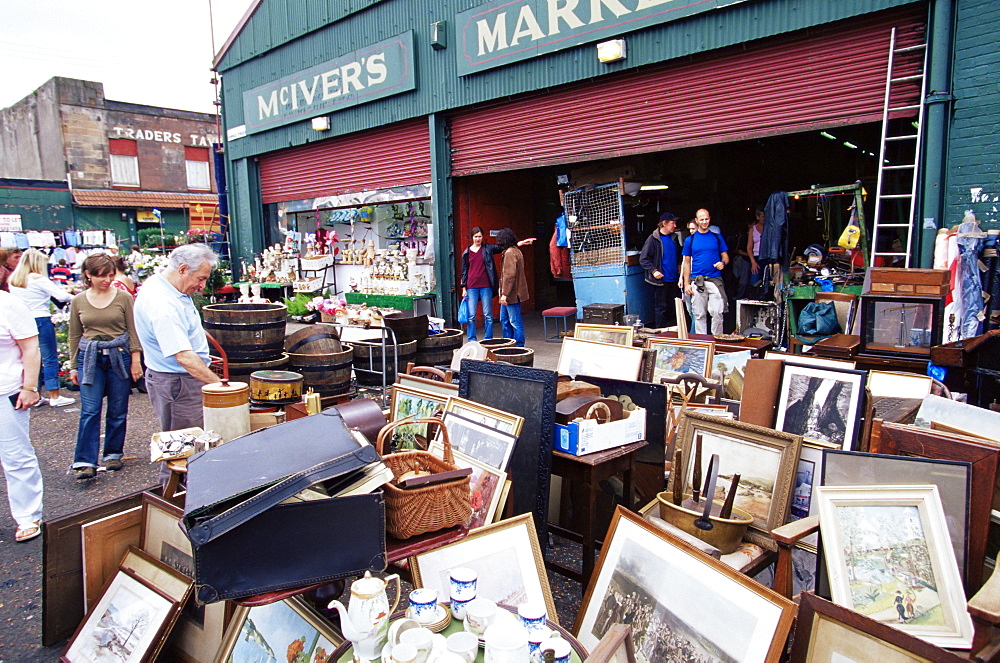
x: 439, y: 38
x: 321, y: 123
x: 611, y: 51
x: 654, y: 187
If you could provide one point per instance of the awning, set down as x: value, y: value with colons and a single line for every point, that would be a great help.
x: 132, y: 199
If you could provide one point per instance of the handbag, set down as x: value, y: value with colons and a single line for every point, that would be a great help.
x: 413, y: 511
x: 463, y: 311
x: 819, y: 319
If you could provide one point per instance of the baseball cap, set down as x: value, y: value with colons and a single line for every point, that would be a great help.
x: 668, y: 216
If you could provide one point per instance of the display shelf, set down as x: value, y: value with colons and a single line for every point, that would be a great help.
x: 401, y: 302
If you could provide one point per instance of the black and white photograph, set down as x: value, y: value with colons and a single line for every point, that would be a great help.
x: 821, y: 405
x: 681, y: 604
x: 485, y: 444
x: 802, y: 492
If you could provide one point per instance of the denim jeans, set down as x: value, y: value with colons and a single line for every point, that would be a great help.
x: 48, y: 376
x: 20, y: 465
x: 511, y: 323
x: 108, y: 384
x: 484, y: 297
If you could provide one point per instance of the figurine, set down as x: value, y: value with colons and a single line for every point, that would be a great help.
x: 370, y: 252
x: 244, y: 293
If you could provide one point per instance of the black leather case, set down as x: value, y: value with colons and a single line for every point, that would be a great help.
x: 246, y: 542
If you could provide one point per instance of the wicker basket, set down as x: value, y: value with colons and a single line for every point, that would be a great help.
x: 413, y: 511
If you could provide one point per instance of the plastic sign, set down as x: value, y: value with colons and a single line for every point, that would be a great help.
x: 369, y: 73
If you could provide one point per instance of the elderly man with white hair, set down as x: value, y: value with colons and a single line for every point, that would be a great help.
x: 173, y: 341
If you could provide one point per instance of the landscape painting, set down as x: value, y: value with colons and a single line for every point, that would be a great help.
x: 278, y: 632
x: 757, y: 466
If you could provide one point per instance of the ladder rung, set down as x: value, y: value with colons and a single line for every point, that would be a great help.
x: 902, y: 108
x: 907, y: 137
x: 908, y: 49
x: 892, y: 254
x: 892, y: 225
x: 912, y: 165
x: 896, y: 196
x: 914, y: 77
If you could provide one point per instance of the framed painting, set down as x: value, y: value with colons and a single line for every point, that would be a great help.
x: 808, y: 475
x: 765, y: 459
x: 983, y: 458
x: 283, y: 630
x: 899, y: 385
x: 615, y: 647
x: 200, y: 627
x: 820, y: 404
x: 613, y: 334
x: 505, y: 555
x: 485, y: 483
x: 675, y: 356
x: 504, y: 422
x: 680, y: 603
x: 828, y: 632
x: 425, y: 384
x: 969, y: 419
x: 809, y: 360
x: 487, y: 445
x: 953, y: 480
x: 579, y: 357
x: 129, y: 621
x: 529, y: 393
x: 888, y: 556
x: 410, y: 402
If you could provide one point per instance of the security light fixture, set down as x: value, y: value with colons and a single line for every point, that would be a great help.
x: 611, y: 51
x: 654, y: 187
x: 321, y: 123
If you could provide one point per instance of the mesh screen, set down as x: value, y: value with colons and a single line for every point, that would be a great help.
x: 597, y: 237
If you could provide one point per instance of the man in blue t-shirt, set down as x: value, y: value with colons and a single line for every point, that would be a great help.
x: 705, y: 256
x: 660, y: 258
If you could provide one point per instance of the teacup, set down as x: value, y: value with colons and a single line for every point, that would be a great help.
x: 560, y: 648
x: 480, y: 613
x: 398, y: 627
x: 403, y: 653
x: 463, y: 584
x: 532, y: 614
x: 458, y: 608
x: 423, y: 605
x: 421, y: 639
x: 464, y: 644
x: 536, y: 636
x: 506, y: 643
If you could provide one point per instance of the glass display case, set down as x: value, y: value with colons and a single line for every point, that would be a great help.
x: 900, y: 325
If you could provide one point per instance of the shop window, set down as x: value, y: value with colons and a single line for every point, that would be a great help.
x: 196, y: 161
x: 124, y: 162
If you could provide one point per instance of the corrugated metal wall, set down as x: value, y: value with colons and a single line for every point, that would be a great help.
x: 390, y: 156
x: 827, y: 77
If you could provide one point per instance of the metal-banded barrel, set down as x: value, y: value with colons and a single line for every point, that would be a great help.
x: 516, y: 356
x: 368, y: 361
x: 492, y: 344
x: 247, y: 332
x: 328, y: 374
x: 437, y: 349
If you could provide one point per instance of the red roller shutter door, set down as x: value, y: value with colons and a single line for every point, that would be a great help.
x: 395, y: 155
x: 827, y: 76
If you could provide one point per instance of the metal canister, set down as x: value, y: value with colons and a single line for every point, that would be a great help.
x: 275, y: 387
x: 226, y: 408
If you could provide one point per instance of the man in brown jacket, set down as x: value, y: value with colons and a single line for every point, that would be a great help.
x: 513, y: 285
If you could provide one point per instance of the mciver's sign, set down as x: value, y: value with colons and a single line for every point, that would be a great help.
x: 369, y: 73
x: 504, y: 31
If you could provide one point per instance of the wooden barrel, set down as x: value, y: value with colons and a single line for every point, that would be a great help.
x: 492, y: 344
x: 368, y: 361
x: 313, y: 340
x: 437, y: 349
x: 516, y: 356
x: 328, y: 374
x: 241, y: 370
x: 247, y: 332
x: 407, y: 329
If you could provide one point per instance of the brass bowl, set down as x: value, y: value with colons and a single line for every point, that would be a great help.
x: 726, y: 533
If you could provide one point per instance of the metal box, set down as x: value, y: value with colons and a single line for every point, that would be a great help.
x: 604, y: 314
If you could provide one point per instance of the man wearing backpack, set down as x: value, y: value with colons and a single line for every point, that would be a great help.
x: 705, y: 256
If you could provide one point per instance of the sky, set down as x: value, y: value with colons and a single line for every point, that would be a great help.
x: 144, y: 52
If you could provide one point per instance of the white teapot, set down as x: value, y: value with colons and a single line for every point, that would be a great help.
x: 366, y: 621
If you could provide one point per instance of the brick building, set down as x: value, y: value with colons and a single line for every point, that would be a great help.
x: 121, y: 160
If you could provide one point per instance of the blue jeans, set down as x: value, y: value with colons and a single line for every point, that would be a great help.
x: 511, y: 323
x: 106, y: 384
x: 483, y: 297
x: 48, y: 377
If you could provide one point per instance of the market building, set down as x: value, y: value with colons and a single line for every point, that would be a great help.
x: 119, y: 160
x: 483, y: 113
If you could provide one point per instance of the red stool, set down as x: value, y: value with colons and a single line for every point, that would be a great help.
x: 563, y: 313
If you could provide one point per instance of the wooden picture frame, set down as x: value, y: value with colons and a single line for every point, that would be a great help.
x: 133, y: 615
x: 529, y: 393
x: 820, y: 404
x: 676, y: 356
x: 744, y: 448
x: 983, y: 458
x: 579, y: 357
x: 918, y: 589
x: 826, y: 631
x: 198, y: 632
x: 899, y: 385
x: 507, y: 557
x: 103, y: 542
x: 952, y: 478
x: 808, y: 475
x: 406, y: 402
x: 615, y: 647
x: 274, y: 624
x: 504, y: 422
x: 487, y: 445
x: 426, y: 384
x: 502, y: 501
x: 809, y: 360
x: 972, y: 420
x: 613, y: 334
x: 715, y: 610
x: 486, y: 485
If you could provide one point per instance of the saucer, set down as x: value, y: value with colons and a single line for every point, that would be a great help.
x: 441, y: 620
x: 502, y: 617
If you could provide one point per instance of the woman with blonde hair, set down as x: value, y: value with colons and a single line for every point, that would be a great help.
x: 31, y: 284
x: 105, y: 350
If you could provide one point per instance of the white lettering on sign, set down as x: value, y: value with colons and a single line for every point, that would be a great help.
x: 147, y: 134
x: 199, y: 140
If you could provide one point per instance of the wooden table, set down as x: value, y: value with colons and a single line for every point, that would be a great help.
x: 585, y: 474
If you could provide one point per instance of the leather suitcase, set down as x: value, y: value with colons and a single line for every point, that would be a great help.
x: 246, y: 542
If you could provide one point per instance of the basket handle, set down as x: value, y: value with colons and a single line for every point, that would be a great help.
x: 383, y: 434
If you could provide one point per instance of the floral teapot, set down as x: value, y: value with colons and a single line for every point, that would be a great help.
x: 366, y: 621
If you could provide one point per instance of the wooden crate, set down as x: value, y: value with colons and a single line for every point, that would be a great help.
x: 913, y: 282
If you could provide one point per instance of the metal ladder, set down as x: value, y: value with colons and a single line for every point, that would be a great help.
x: 894, y: 206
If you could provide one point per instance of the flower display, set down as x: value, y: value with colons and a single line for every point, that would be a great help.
x: 327, y: 305
x: 149, y: 265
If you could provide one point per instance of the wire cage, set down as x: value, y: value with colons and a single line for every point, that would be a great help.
x: 596, y: 232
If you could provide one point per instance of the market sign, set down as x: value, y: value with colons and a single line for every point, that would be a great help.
x: 370, y: 73
x: 500, y: 32
x: 10, y: 223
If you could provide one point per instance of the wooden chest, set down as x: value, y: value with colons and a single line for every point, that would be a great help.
x: 604, y: 314
x: 913, y: 282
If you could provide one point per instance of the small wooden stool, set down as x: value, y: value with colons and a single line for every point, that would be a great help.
x: 177, y: 468
x: 563, y: 313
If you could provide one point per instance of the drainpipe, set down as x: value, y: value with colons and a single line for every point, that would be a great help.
x: 936, y: 116
x: 443, y: 211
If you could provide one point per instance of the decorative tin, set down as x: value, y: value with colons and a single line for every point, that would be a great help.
x: 275, y: 387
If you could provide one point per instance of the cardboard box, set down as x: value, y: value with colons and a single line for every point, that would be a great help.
x: 260, y: 420
x: 586, y: 437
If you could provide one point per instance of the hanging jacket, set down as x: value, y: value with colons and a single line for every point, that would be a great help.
x: 559, y: 263
x: 774, y: 239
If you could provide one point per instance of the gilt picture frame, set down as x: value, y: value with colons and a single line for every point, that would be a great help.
x: 486, y: 485
x: 407, y: 402
x: 580, y: 357
x: 613, y: 334
x: 487, y: 445
x: 287, y: 629
x: 505, y: 422
x: 675, y: 356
